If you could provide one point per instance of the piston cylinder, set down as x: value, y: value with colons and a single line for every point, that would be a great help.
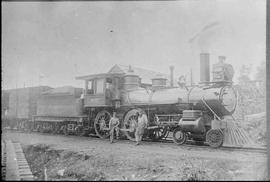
x: 192, y: 121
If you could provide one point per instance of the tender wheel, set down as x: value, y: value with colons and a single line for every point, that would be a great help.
x: 38, y: 127
x: 79, y: 131
x: 158, y: 134
x: 20, y: 126
x: 86, y: 131
x: 49, y: 128
x: 179, y: 137
x: 102, y: 124
x: 27, y: 126
x: 65, y: 130
x: 56, y: 128
x: 42, y: 128
x: 46, y: 127
x: 214, y: 138
x: 130, y: 124
x: 32, y: 127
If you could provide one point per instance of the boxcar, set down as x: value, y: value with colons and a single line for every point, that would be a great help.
x: 20, y: 104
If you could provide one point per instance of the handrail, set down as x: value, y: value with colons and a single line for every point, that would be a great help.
x: 169, y: 118
x: 210, y: 109
x: 168, y: 115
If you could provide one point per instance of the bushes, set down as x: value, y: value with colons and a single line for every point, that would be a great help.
x: 193, y: 170
x: 256, y: 128
x: 71, y: 164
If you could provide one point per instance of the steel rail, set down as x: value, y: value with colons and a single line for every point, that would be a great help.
x: 189, y: 143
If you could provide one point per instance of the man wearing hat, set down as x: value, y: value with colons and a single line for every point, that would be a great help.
x: 113, y: 126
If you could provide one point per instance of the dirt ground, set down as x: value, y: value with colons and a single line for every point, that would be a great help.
x: 88, y: 158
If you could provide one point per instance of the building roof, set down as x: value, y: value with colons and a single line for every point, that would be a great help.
x: 27, y: 88
x: 95, y: 76
x: 145, y: 74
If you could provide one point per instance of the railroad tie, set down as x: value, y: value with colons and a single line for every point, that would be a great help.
x: 3, y: 160
x: 17, y: 167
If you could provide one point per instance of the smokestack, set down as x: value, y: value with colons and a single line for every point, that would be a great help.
x: 171, y: 72
x: 221, y: 59
x: 204, y: 67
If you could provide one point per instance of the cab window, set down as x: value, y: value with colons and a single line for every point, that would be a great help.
x: 99, y: 86
x: 108, y: 83
x: 89, y: 87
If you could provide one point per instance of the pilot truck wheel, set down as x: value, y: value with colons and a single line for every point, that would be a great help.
x: 214, y: 137
x: 179, y: 137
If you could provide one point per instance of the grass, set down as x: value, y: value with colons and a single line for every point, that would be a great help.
x: 79, y: 166
x: 72, y: 163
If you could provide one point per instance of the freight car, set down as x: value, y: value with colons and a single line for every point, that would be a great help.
x: 18, y: 105
x: 195, y: 113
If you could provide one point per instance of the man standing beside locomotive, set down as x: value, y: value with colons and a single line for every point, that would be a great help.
x: 113, y: 126
x: 141, y: 126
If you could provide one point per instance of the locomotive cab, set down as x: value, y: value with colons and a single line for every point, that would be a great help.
x: 101, y: 90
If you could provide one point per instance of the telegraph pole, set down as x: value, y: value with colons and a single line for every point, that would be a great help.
x: 16, y: 91
x: 171, y: 74
x: 191, y: 79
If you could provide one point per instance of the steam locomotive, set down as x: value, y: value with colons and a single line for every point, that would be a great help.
x: 196, y: 112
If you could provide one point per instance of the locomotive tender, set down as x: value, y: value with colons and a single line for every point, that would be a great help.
x: 195, y: 113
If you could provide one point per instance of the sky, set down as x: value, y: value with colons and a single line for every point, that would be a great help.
x: 50, y: 43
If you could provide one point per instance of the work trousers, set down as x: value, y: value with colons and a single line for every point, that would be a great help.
x: 116, y: 129
x: 138, y: 134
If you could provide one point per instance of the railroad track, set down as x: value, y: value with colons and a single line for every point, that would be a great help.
x: 192, y: 144
x: 3, y: 159
x: 249, y: 149
x: 14, y: 165
x: 227, y: 148
x: 189, y: 144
